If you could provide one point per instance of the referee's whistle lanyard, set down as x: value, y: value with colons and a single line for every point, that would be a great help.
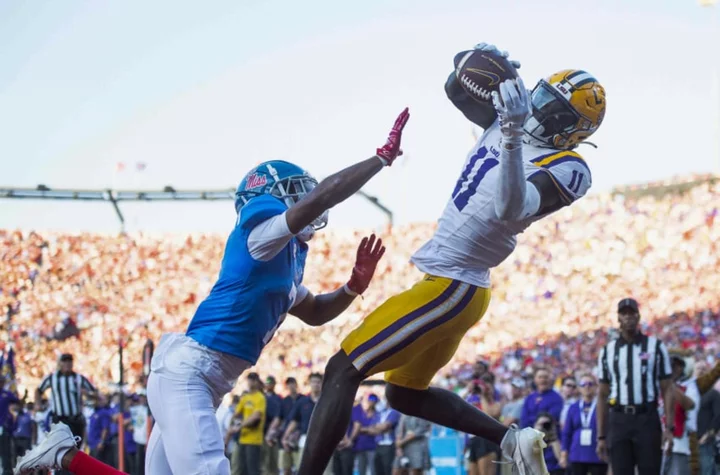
x: 586, y: 417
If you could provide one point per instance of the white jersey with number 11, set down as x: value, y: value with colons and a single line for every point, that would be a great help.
x: 470, y: 238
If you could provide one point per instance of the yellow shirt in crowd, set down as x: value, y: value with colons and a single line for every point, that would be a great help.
x: 249, y: 404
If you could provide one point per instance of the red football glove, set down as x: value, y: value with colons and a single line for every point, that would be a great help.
x: 365, y: 264
x: 391, y: 150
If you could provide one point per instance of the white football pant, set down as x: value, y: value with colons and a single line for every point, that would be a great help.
x: 186, y: 384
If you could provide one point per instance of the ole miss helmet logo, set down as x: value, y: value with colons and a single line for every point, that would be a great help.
x: 255, y: 181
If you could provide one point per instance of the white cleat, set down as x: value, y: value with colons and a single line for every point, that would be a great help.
x: 524, y: 449
x: 45, y: 455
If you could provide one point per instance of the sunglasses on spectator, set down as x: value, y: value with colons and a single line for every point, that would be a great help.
x: 587, y: 384
x: 570, y: 385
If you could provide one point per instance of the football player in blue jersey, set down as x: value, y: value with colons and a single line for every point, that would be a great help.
x: 279, y: 208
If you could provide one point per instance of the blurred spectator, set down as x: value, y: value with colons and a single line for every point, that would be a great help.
x: 687, y: 404
x: 251, y: 410
x: 299, y: 418
x: 384, y: 432
x: 270, y: 454
x: 7, y: 426
x: 288, y: 456
x: 543, y: 399
x: 24, y: 430
x: 98, y: 431
x: 547, y: 424
x: 139, y: 413
x: 708, y: 424
x: 224, y: 417
x: 42, y: 418
x: 413, y: 446
x: 569, y: 394
x: 364, y: 417
x: 579, y: 433
x: 512, y: 410
x: 481, y: 453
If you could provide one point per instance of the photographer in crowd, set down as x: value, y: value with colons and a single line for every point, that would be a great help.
x: 546, y: 424
x: 412, y: 444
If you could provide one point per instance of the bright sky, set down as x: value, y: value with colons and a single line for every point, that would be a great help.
x: 202, y: 91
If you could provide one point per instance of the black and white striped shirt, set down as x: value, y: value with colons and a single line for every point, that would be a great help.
x: 66, y: 398
x: 634, y: 369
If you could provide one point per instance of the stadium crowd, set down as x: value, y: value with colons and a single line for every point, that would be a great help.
x: 553, y: 299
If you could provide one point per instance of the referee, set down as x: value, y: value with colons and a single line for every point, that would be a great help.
x: 66, y: 399
x: 633, y: 369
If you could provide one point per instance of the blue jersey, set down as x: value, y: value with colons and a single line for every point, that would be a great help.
x: 250, y: 299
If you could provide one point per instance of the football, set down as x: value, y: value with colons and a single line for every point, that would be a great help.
x: 480, y: 73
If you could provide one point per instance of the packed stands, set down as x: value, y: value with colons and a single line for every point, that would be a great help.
x: 553, y: 299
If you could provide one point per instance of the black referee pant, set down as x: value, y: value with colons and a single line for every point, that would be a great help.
x: 635, y: 440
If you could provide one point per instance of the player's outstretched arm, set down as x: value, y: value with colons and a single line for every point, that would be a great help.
x: 340, y: 186
x: 319, y: 309
x: 515, y: 198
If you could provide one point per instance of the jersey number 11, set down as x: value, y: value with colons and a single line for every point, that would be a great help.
x: 471, y: 177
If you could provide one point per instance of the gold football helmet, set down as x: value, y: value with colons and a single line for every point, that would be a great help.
x: 566, y: 108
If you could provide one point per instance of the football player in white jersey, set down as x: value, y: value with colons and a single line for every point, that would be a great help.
x: 523, y: 168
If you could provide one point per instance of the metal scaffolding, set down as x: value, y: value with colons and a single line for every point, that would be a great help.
x: 114, y: 197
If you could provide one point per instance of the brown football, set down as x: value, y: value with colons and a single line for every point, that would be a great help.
x: 481, y: 72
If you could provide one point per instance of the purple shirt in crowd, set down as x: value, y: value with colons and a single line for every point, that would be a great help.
x: 571, y: 434
x: 364, y: 442
x: 99, y: 421
x: 6, y: 399
x: 23, y: 426
x: 550, y: 401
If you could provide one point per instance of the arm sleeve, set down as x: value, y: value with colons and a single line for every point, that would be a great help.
x: 302, y: 292
x: 87, y: 385
x: 603, y: 372
x: 663, y: 361
x: 268, y: 238
x: 45, y: 384
x: 515, y: 198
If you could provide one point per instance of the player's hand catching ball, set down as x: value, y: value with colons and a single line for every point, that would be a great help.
x: 487, y: 47
x: 368, y: 255
x: 391, y: 150
x: 512, y: 106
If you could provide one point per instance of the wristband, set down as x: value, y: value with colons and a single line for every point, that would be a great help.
x: 350, y: 291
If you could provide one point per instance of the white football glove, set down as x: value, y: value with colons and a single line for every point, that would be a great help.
x: 493, y: 49
x: 512, y: 106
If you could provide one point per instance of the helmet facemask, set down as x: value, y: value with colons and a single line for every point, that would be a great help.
x: 552, y: 118
x: 292, y: 189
